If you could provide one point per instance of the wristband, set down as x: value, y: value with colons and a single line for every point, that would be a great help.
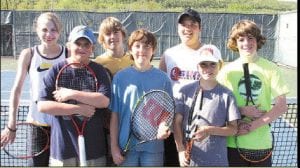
x: 10, y: 129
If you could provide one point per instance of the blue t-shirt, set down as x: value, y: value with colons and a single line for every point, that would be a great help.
x: 63, y: 141
x: 127, y: 87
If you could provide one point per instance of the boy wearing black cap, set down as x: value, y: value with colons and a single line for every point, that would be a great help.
x: 179, y: 62
x: 64, y: 145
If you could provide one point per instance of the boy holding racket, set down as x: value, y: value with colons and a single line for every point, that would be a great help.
x: 180, y: 65
x: 128, y: 86
x: 112, y: 36
x: 54, y: 101
x: 266, y: 83
x: 215, y: 114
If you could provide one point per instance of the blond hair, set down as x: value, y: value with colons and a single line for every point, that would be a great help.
x: 109, y: 25
x: 50, y: 16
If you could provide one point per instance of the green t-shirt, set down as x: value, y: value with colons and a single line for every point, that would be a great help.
x: 266, y: 84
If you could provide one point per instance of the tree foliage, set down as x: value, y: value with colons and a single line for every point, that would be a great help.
x: 209, y: 6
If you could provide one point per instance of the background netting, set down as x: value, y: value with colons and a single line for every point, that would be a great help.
x: 284, y: 128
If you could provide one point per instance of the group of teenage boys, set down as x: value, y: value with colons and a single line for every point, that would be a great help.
x: 185, y: 71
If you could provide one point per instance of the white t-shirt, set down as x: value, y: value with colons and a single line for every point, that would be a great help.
x: 181, y: 66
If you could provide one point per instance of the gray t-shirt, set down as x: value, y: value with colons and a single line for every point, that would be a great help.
x: 218, y: 107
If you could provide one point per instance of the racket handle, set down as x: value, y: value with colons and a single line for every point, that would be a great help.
x: 82, y: 154
x: 188, y: 150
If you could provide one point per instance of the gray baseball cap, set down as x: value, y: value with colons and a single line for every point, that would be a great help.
x: 82, y: 31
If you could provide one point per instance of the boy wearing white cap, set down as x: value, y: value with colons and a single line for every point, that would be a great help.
x: 180, y: 65
x: 64, y: 147
x: 214, y: 110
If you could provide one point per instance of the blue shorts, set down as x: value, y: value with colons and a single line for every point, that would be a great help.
x: 143, y: 158
x: 75, y: 162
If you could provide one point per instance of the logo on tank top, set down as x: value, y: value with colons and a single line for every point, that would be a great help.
x: 256, y: 86
x: 176, y: 74
x: 44, y: 66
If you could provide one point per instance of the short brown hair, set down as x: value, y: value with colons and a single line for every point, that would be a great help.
x: 108, y: 25
x: 245, y: 28
x: 141, y: 34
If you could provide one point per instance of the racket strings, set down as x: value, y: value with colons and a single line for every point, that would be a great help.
x: 40, y: 139
x: 193, y: 117
x: 77, y: 79
x: 255, y: 155
x: 154, y: 107
x: 30, y: 141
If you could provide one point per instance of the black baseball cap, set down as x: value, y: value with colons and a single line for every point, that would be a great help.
x: 191, y: 13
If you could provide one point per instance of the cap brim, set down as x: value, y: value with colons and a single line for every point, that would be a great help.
x: 82, y: 36
x: 208, y: 58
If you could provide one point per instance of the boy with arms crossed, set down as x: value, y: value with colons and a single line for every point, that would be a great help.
x: 64, y: 145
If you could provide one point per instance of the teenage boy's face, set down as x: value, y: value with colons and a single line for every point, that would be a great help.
x: 113, y: 40
x: 247, y: 45
x: 81, y: 50
x: 208, y: 70
x: 142, y: 52
x: 189, y: 30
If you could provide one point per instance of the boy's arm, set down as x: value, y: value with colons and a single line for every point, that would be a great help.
x: 61, y: 109
x: 114, y: 136
x: 277, y: 110
x: 228, y: 130
x: 178, y: 137
x: 162, y: 64
x: 178, y: 134
x: 95, y: 99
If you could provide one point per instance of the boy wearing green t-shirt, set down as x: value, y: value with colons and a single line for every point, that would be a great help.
x: 255, y: 82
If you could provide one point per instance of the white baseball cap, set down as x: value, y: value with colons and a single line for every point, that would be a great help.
x: 210, y: 53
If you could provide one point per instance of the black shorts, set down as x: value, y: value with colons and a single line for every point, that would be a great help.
x: 235, y: 160
x: 171, y: 154
x: 43, y: 158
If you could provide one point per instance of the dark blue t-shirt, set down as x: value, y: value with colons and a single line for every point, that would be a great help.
x: 63, y: 133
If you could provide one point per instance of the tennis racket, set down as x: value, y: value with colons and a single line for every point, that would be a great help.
x: 192, y: 127
x: 152, y: 109
x: 30, y: 141
x: 250, y: 155
x: 78, y: 76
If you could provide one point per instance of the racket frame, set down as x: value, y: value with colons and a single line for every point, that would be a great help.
x: 80, y: 132
x: 189, y: 139
x: 247, y: 151
x: 132, y: 133
x: 34, y: 127
x: 250, y: 98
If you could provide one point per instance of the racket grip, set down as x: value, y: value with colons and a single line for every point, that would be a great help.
x: 82, y: 154
x: 188, y: 150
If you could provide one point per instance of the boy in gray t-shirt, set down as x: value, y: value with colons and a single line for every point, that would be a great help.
x: 215, y: 114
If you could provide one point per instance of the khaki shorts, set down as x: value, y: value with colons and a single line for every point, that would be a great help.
x: 74, y: 162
